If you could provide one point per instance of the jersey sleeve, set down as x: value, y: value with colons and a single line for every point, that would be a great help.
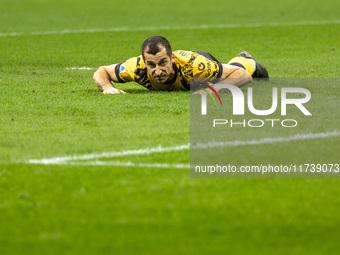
x: 126, y: 71
x: 207, y: 69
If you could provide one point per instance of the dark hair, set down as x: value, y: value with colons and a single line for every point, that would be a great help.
x: 155, y: 44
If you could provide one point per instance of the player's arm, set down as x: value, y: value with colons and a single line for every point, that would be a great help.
x: 225, y: 73
x: 103, y: 77
x: 237, y: 75
x: 232, y: 75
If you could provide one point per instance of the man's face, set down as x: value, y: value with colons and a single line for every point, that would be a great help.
x: 159, y: 65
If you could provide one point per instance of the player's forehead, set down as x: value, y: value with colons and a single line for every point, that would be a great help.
x: 159, y: 56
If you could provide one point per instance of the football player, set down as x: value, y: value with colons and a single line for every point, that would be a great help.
x: 159, y: 68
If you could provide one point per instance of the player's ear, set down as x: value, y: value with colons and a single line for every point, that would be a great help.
x: 173, y: 58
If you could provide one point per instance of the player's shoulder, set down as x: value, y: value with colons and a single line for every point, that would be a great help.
x: 186, y: 58
x: 184, y: 54
x: 133, y: 69
x: 135, y: 62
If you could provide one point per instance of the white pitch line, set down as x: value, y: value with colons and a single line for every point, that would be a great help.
x: 112, y: 154
x: 136, y: 29
x: 268, y: 140
x: 81, y: 68
x: 129, y: 164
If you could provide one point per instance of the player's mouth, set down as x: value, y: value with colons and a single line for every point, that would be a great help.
x: 160, y: 78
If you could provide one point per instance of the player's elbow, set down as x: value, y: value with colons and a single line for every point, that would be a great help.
x: 242, y: 73
x: 237, y: 73
x: 243, y: 76
x: 248, y: 76
x: 96, y: 74
x: 99, y: 78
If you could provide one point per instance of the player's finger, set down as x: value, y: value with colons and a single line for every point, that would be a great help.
x: 114, y: 91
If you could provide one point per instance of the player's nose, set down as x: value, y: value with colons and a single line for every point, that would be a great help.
x: 158, y: 70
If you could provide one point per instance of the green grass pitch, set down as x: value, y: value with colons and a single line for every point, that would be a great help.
x: 50, y: 111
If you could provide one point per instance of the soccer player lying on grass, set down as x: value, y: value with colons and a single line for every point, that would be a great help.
x: 161, y: 69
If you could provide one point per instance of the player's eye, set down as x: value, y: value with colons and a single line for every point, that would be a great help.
x: 151, y: 65
x: 162, y: 63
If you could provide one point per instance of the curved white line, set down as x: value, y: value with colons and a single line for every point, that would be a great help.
x: 160, y: 149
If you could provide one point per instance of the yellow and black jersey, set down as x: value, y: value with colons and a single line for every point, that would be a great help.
x: 188, y: 64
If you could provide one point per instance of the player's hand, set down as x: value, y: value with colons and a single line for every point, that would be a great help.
x: 200, y: 92
x: 113, y: 91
